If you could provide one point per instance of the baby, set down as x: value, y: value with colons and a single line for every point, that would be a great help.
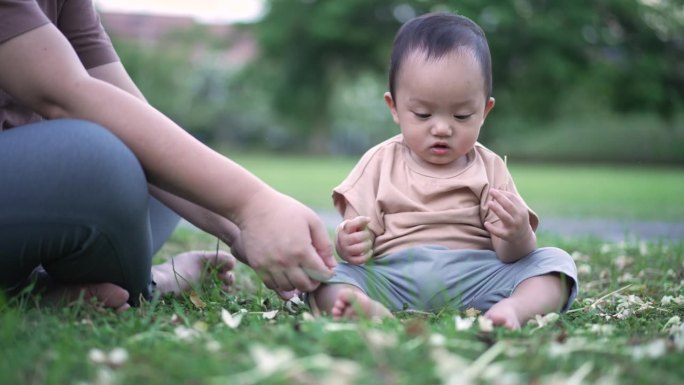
x: 431, y: 217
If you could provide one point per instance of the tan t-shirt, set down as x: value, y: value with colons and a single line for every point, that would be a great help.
x: 411, y: 205
x: 76, y: 19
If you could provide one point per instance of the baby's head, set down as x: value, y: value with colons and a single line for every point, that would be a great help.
x: 436, y: 35
x: 440, y: 85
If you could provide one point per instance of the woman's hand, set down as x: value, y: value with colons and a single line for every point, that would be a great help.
x: 355, y: 240
x: 285, y: 242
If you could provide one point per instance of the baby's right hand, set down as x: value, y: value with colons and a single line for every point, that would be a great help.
x: 355, y: 240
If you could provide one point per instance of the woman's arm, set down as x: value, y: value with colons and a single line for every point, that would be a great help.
x: 284, y: 241
x: 115, y: 74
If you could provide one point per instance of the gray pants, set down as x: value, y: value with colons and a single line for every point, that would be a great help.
x: 431, y: 277
x: 74, y: 200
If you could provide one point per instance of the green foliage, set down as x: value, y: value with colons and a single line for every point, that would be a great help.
x: 183, y: 77
x: 624, y: 55
x: 581, y: 80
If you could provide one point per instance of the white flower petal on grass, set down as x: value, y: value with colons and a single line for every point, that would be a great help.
x: 175, y: 319
x: 601, y: 329
x: 643, y: 248
x: 97, y: 356
x: 380, y: 339
x: 653, y: 349
x: 338, y: 371
x: 106, y: 376
x: 212, y: 346
x: 437, y: 339
x: 232, y: 320
x: 450, y: 367
x: 270, y: 314
x: 306, y: 316
x: 463, y: 323
x: 185, y: 334
x: 118, y: 357
x: 339, y: 327
x: 666, y: 300
x: 270, y: 360
x: 673, y: 323
x: 623, y: 261
x: 294, y: 303
x: 579, y: 257
x: 678, y: 337
x: 485, y: 324
x: 583, y: 269
x: 542, y: 321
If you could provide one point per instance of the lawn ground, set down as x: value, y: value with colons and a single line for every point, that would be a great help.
x: 575, y: 191
x: 626, y: 326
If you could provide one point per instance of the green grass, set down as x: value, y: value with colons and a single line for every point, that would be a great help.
x: 625, y: 327
x: 618, y: 192
x: 616, y: 333
x: 615, y: 192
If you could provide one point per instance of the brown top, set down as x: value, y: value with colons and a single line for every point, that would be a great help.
x: 76, y: 19
x: 411, y: 205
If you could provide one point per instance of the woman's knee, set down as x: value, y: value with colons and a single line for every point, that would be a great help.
x: 102, y: 167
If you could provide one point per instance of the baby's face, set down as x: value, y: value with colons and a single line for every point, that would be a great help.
x: 440, y: 106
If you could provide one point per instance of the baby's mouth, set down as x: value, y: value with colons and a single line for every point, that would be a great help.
x: 439, y: 148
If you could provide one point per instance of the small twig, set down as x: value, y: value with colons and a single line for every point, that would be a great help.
x: 600, y: 299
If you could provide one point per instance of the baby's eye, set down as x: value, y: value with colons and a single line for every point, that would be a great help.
x: 421, y: 116
x: 462, y: 117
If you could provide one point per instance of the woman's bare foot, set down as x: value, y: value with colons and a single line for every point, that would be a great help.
x: 183, y: 271
x: 505, y: 313
x: 107, y: 295
x: 353, y: 304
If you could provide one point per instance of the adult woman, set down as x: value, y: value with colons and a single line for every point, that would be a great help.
x: 77, y: 185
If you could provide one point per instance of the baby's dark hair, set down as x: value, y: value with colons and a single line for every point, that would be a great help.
x: 438, y: 34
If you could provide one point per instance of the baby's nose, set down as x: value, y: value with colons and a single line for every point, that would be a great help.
x: 442, y: 128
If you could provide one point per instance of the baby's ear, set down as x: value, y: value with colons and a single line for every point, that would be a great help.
x: 489, y: 106
x: 392, y: 107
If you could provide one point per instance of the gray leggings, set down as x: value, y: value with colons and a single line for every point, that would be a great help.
x: 74, y: 200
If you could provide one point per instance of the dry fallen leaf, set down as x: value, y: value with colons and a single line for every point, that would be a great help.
x: 196, y: 300
x: 472, y: 312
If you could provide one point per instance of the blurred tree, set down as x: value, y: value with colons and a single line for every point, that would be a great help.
x: 627, y: 54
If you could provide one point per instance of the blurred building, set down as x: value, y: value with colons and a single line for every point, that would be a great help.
x: 153, y: 29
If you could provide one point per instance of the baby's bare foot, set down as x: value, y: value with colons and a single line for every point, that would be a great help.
x: 504, y: 313
x: 353, y: 304
x: 183, y: 271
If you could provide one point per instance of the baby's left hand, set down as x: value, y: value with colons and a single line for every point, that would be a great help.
x: 514, y: 217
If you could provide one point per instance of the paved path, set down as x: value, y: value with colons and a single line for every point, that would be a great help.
x: 610, y: 230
